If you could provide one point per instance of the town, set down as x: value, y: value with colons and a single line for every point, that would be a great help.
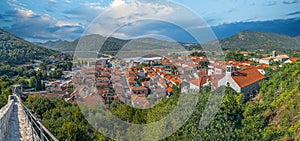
x: 142, y: 81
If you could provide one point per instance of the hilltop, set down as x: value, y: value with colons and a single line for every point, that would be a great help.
x: 15, y: 50
x: 244, y: 40
x: 253, y: 40
x: 109, y: 45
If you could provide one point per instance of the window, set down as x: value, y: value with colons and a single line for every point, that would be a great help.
x: 228, y: 69
x: 228, y: 84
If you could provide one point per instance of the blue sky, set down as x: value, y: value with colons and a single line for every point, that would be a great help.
x: 41, y: 20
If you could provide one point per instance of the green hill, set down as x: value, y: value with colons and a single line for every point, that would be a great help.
x: 253, y: 40
x: 15, y: 50
x: 274, y: 114
x: 91, y: 43
x: 245, y: 40
x: 110, y: 45
x: 56, y: 45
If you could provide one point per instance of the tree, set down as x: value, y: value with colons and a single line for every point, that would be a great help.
x: 235, y: 55
x: 274, y: 113
x: 5, y: 92
x: 63, y: 119
x: 39, y: 85
x: 33, y: 82
x: 24, y: 82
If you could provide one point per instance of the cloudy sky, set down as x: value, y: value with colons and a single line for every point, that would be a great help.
x: 42, y: 20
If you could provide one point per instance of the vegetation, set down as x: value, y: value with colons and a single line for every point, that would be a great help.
x: 235, y: 55
x: 272, y: 115
x: 63, y: 119
x: 5, y: 90
x: 198, y: 54
x: 253, y: 40
x: 14, y: 50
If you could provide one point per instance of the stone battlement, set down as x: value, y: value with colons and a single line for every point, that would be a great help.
x: 5, y: 114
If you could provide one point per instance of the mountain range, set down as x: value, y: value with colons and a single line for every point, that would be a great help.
x: 15, y: 50
x: 244, y: 40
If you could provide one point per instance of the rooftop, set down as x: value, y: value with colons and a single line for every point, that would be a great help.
x: 246, y: 77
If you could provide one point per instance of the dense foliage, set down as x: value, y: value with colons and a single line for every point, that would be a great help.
x: 5, y: 90
x: 63, y: 119
x: 14, y: 50
x: 235, y: 55
x: 253, y: 40
x: 274, y: 115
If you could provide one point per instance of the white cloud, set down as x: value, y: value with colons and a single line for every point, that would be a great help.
x: 129, y: 13
x: 53, y: 1
x: 25, y: 13
x: 61, y: 23
x: 94, y: 5
x: 116, y: 3
x: 31, y: 25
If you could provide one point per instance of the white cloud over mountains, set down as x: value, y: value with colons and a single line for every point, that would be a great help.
x: 67, y: 19
x: 41, y: 26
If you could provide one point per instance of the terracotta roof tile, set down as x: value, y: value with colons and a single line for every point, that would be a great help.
x: 262, y: 66
x: 294, y: 59
x: 169, y: 90
x: 246, y: 77
x: 201, y: 81
x: 139, y: 88
x: 176, y: 80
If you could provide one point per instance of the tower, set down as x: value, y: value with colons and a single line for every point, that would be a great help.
x: 273, y: 53
x: 229, y: 70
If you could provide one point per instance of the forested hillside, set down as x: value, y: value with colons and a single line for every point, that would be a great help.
x: 14, y: 50
x: 254, y: 40
x: 275, y: 113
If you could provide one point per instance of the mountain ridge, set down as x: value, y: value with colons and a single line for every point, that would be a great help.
x: 244, y: 40
x: 15, y: 50
x: 254, y: 40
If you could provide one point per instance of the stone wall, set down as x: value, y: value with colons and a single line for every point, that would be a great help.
x: 5, y: 113
x: 250, y: 90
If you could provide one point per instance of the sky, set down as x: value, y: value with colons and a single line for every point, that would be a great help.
x: 42, y: 20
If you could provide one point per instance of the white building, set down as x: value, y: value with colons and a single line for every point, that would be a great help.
x: 245, y: 81
x: 198, y: 83
x: 264, y: 61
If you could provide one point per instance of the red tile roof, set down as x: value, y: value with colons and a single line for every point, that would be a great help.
x: 139, y: 88
x: 294, y: 59
x: 176, y: 80
x: 169, y: 90
x: 246, y: 77
x: 91, y: 100
x: 216, y: 79
x: 262, y: 66
x: 202, y: 72
x: 201, y: 81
